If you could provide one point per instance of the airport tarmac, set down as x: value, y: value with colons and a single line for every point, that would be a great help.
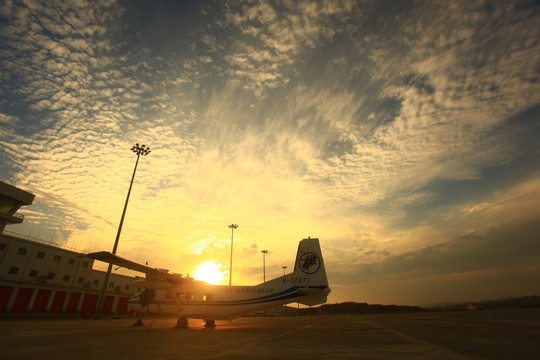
x: 489, y: 334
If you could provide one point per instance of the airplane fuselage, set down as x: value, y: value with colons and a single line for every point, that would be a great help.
x: 198, y: 299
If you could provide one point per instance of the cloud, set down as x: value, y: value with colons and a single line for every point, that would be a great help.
x: 401, y: 135
x: 272, y: 38
x: 475, y: 237
x: 448, y: 105
x: 498, y: 248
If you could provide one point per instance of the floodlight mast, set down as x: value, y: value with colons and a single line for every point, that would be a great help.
x: 264, y: 252
x: 232, y: 227
x: 140, y: 150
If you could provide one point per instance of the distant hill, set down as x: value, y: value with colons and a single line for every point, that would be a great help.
x: 517, y: 302
x: 351, y: 308
x: 348, y: 308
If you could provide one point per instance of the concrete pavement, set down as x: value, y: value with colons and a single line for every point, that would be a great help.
x: 493, y: 334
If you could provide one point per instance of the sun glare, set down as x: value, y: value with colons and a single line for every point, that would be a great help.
x: 208, y: 272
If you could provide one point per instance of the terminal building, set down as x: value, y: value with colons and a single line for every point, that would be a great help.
x: 42, y: 279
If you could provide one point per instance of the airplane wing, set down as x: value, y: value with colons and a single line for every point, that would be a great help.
x: 151, y: 273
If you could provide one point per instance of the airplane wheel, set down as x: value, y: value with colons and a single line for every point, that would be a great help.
x: 182, y: 323
x: 210, y: 323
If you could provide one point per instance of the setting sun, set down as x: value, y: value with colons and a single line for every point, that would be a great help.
x: 208, y: 272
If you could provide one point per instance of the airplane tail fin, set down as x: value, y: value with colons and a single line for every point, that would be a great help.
x: 308, y: 277
x: 309, y: 263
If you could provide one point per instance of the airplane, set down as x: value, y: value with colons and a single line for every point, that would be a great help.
x: 167, y: 293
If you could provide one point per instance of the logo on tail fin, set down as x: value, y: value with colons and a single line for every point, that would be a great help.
x: 309, y: 263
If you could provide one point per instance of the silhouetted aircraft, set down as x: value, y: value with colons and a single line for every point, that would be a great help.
x: 167, y: 293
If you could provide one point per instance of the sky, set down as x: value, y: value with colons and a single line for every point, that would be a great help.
x: 403, y: 134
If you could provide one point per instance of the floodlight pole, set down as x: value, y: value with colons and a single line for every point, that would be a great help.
x: 139, y: 150
x: 232, y: 226
x: 264, y: 252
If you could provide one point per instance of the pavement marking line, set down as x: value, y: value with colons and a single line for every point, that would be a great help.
x: 420, y: 342
x: 298, y: 329
x: 266, y: 339
x: 53, y: 332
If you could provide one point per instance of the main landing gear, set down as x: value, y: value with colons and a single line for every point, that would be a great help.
x: 182, y: 323
x: 210, y: 324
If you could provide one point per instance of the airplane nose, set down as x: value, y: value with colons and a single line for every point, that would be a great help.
x: 134, y: 304
x: 135, y: 300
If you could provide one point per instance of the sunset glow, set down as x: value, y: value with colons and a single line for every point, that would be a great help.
x: 404, y: 135
x: 208, y: 272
